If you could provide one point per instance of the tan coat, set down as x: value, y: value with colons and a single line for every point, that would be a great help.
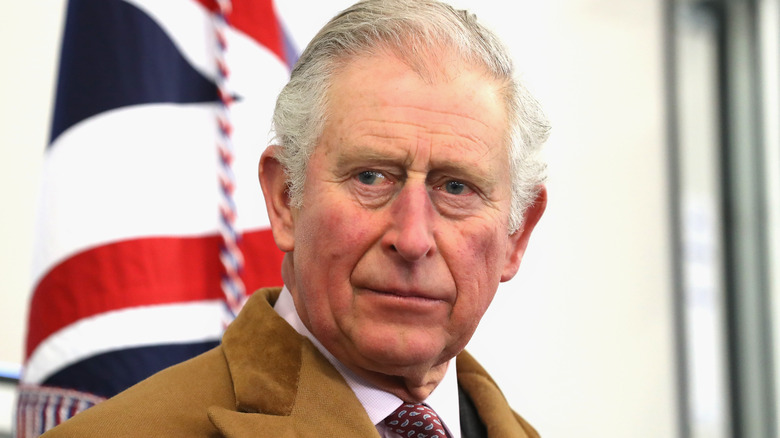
x: 264, y: 380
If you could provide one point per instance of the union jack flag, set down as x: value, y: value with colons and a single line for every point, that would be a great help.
x: 128, y: 262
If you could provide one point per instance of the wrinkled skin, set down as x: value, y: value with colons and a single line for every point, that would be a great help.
x: 402, y: 238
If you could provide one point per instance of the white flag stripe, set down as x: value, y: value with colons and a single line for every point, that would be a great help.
x: 154, y: 175
x: 256, y: 73
x: 127, y: 173
x: 127, y: 328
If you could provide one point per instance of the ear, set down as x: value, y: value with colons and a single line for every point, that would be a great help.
x: 518, y: 241
x: 273, y: 180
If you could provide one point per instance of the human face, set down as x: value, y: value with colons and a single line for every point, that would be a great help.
x: 402, y: 239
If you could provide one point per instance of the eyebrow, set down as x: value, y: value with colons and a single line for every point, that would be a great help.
x: 365, y: 155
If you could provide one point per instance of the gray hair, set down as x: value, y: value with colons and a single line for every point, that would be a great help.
x: 416, y: 31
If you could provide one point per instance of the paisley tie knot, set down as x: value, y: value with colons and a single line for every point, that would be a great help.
x: 416, y: 420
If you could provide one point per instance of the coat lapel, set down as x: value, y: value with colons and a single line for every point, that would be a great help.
x: 494, y: 411
x: 283, y: 385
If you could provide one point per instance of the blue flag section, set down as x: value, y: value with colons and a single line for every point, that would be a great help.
x: 114, y: 55
x: 127, y: 269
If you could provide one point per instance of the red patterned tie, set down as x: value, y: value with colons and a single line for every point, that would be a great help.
x: 416, y: 420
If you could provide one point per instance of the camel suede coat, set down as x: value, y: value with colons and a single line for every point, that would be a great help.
x: 264, y: 380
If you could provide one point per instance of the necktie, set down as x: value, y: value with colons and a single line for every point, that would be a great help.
x: 416, y: 420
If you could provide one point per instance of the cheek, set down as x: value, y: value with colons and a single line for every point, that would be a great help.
x: 332, y: 241
x: 345, y: 232
x: 485, y: 250
x: 477, y: 269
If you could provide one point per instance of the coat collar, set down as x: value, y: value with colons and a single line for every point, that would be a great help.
x: 284, y: 387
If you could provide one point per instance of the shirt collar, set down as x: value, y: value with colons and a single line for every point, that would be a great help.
x: 378, y: 403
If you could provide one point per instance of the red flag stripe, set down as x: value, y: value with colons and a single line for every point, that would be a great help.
x: 257, y: 19
x: 142, y: 272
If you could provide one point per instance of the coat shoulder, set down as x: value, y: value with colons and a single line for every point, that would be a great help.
x: 173, y: 402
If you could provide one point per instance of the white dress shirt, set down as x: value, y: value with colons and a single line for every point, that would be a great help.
x: 378, y: 403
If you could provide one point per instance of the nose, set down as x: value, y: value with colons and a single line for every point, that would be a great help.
x: 411, y: 234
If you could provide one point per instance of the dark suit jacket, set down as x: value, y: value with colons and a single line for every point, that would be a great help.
x: 266, y: 380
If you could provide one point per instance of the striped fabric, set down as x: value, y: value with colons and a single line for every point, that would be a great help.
x: 127, y: 269
x: 49, y: 407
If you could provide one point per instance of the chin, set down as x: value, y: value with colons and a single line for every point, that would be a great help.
x: 402, y: 357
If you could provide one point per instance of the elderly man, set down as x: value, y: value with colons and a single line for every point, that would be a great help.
x: 403, y: 186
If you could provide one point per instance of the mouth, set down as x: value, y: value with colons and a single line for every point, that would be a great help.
x: 404, y: 305
x: 409, y: 295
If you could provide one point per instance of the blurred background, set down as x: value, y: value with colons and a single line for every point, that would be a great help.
x: 647, y: 303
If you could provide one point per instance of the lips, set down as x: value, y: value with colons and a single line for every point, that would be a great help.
x: 408, y: 293
x: 431, y: 284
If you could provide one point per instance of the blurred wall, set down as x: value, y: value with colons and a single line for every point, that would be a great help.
x: 581, y: 341
x: 29, y: 39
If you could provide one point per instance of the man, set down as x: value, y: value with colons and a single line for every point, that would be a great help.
x: 403, y: 186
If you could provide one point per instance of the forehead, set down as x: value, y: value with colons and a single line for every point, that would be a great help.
x: 381, y: 99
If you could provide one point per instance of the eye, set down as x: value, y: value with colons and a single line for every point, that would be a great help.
x: 370, y: 177
x: 454, y: 187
